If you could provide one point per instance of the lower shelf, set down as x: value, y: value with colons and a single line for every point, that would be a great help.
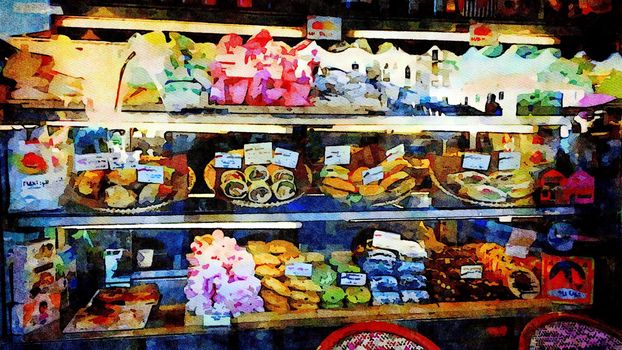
x: 169, y: 319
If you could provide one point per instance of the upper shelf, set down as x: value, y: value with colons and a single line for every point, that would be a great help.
x: 295, y: 214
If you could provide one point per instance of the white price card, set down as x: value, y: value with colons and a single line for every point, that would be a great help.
x: 216, y: 320
x: 471, y: 271
x: 373, y: 174
x: 285, y: 158
x: 299, y: 269
x: 258, y: 153
x: 123, y: 160
x: 92, y: 161
x: 153, y: 174
x: 476, y: 161
x: 35, y: 182
x: 509, y: 160
x: 334, y: 155
x: 395, y: 152
x: 352, y: 279
x: 387, y: 240
x: 227, y: 160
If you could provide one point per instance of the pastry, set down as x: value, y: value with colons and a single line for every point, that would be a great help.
x: 376, y: 267
x: 276, y: 285
x: 357, y: 175
x: 335, y: 171
x: 279, y: 246
x: 265, y: 259
x: 358, y: 295
x: 282, y: 174
x: 257, y: 247
x: 123, y: 177
x: 333, y: 294
x: 307, y: 297
x: 313, y: 257
x: 302, y: 305
x: 409, y: 281
x: 233, y: 187
x: 119, y: 197
x: 268, y: 271
x: 381, y: 298
x: 303, y: 284
x: 383, y: 284
x: 284, y: 189
x: 394, y: 166
x: 399, y: 183
x: 259, y: 192
x: 278, y: 308
x: 88, y: 183
x: 414, y: 296
x: 410, y: 267
x: 256, y: 173
x: 272, y: 298
x: 324, y: 275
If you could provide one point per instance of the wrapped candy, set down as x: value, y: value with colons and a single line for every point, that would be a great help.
x: 221, y: 277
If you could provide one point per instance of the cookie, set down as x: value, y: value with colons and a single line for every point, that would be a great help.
x: 303, y: 306
x: 313, y: 257
x: 358, y: 295
x: 278, y: 308
x: 276, y: 285
x: 303, y: 284
x: 333, y: 294
x: 307, y: 297
x: 290, y: 257
x: 268, y: 271
x: 279, y: 246
x: 266, y: 259
x: 256, y: 247
x: 324, y: 275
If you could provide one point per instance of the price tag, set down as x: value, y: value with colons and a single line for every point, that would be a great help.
x: 395, y: 152
x: 151, y: 174
x: 373, y: 174
x: 471, y: 271
x: 352, y: 279
x: 476, y: 161
x: 123, y: 160
x: 216, y: 320
x: 285, y: 158
x: 92, y: 161
x: 227, y: 160
x: 35, y: 182
x: 258, y: 153
x: 334, y: 155
x: 299, y: 269
x: 509, y: 160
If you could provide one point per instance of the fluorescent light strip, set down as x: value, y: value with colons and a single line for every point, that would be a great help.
x: 278, y: 225
x: 180, y: 127
x: 444, y: 36
x: 416, y: 129
x: 177, y: 26
x: 16, y: 127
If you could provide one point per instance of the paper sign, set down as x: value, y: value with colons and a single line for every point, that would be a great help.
x: 299, y: 269
x: 509, y: 160
x: 373, y: 174
x: 92, y: 161
x: 352, y: 279
x: 123, y: 160
x: 258, y: 153
x: 476, y: 161
x: 152, y: 174
x: 227, y: 160
x: 285, y: 158
x: 483, y: 35
x: 395, y: 152
x: 323, y: 28
x: 337, y: 155
x: 471, y: 271
x: 216, y: 320
x: 385, y: 240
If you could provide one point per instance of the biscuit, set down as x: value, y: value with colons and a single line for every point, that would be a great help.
x: 303, y: 284
x: 256, y: 247
x: 268, y: 271
x: 278, y: 308
x: 313, y: 257
x: 270, y: 297
x: 303, y: 306
x: 279, y: 246
x: 276, y: 285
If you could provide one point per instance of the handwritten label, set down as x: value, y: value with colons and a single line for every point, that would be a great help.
x: 285, y: 158
x: 123, y: 160
x: 373, y: 174
x: 216, y: 320
x: 509, y: 160
x: 395, y: 152
x: 352, y: 279
x: 258, y: 153
x: 323, y: 28
x: 337, y: 155
x: 299, y: 269
x: 387, y: 240
x: 227, y: 160
x: 92, y: 161
x: 471, y: 271
x: 35, y: 182
x: 152, y: 174
x: 476, y: 161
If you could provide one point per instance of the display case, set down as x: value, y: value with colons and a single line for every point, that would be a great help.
x: 245, y: 190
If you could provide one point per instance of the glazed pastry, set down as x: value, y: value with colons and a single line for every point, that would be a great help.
x: 301, y: 284
x: 279, y: 246
x: 119, y: 197
x: 357, y: 175
x: 270, y: 297
x: 358, y: 295
x: 276, y: 285
x: 278, y: 308
x: 284, y: 189
x: 257, y: 247
x: 123, y: 177
x: 333, y: 295
x: 290, y: 258
x: 335, y: 171
x: 265, y: 259
x: 268, y: 271
x: 88, y: 183
x: 149, y: 194
x: 259, y: 192
x: 307, y: 297
x: 313, y: 257
x: 256, y: 173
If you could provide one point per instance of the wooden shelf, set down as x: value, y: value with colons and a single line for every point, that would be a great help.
x: 169, y: 320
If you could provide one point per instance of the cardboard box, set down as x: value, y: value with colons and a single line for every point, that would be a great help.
x: 35, y: 253
x: 568, y: 280
x: 36, y: 313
